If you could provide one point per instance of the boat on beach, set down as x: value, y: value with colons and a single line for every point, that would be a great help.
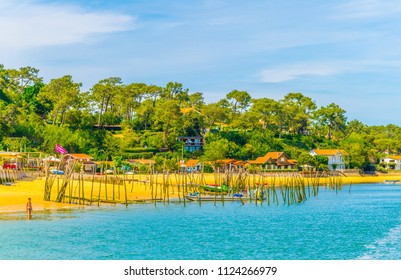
x: 392, y: 182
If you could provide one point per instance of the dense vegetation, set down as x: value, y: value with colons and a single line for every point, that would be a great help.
x: 34, y: 116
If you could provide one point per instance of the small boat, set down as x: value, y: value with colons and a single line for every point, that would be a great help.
x: 197, y: 197
x: 58, y: 172
x: 392, y: 181
x: 215, y: 188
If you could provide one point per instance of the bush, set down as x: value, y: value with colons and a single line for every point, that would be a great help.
x: 147, y: 155
x: 141, y: 150
x: 207, y: 169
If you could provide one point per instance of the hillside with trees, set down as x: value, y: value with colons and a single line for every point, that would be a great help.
x: 139, y: 120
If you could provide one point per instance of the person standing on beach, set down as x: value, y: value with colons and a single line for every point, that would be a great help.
x: 29, y: 209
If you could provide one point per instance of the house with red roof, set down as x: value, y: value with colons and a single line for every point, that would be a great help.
x: 191, y: 165
x: 275, y: 160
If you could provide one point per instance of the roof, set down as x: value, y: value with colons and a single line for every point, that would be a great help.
x: 274, y: 155
x: 329, y: 152
x: 191, y: 162
x: 80, y: 156
x: 395, y: 157
x: 227, y: 161
x: 267, y: 157
x: 11, y: 154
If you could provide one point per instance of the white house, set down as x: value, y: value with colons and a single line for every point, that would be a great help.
x: 336, y: 157
x: 391, y: 162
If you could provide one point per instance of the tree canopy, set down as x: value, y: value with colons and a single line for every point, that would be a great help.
x: 139, y: 119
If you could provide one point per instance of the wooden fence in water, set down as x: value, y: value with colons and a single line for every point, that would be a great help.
x: 181, y: 187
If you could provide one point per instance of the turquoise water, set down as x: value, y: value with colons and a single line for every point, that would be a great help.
x: 364, y: 223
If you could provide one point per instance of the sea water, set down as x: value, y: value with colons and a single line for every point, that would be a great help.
x: 359, y: 223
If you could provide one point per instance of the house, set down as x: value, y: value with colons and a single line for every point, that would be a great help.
x: 78, y: 157
x: 88, y: 166
x: 230, y: 165
x: 275, y: 160
x: 391, y: 162
x: 11, y: 160
x: 191, y: 165
x: 192, y: 143
x: 336, y: 157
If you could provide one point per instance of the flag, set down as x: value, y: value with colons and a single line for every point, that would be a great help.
x: 60, y: 149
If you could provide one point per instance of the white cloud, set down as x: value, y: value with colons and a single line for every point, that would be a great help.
x: 27, y: 24
x: 369, y: 8
x: 282, y: 73
x: 291, y: 72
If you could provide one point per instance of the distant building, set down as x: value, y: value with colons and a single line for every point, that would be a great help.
x: 391, y: 162
x: 336, y: 157
x: 230, y: 164
x: 191, y: 165
x: 192, y: 143
x: 88, y: 166
x: 275, y: 160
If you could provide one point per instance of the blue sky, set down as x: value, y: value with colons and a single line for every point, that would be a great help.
x: 342, y: 51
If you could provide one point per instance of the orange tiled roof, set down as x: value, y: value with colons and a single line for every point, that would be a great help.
x: 80, y: 156
x: 259, y: 160
x: 329, y: 152
x: 267, y: 157
x: 273, y: 155
x: 191, y: 162
x: 395, y: 157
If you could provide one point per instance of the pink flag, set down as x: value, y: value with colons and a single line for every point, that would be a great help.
x: 60, y: 149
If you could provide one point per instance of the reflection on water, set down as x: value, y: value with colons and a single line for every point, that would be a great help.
x: 45, y: 214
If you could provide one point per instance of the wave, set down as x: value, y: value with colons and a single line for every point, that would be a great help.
x: 385, y: 248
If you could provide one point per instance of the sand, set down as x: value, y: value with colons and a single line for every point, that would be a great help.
x: 15, y: 197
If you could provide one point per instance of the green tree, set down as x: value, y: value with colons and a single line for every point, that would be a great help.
x: 216, y: 150
x: 299, y: 109
x: 240, y: 100
x: 144, y: 113
x: 167, y: 115
x: 103, y: 95
x: 60, y: 95
x: 214, y: 113
x: 332, y: 118
x: 174, y: 90
x: 264, y: 109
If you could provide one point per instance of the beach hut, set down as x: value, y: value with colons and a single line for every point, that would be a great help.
x: 11, y: 160
x: 88, y: 166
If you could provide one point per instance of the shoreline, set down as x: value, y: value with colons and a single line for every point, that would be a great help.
x: 14, y: 198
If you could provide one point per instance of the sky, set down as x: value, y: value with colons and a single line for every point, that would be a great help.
x: 342, y: 51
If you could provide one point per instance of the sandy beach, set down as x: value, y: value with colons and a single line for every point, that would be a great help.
x: 14, y: 197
